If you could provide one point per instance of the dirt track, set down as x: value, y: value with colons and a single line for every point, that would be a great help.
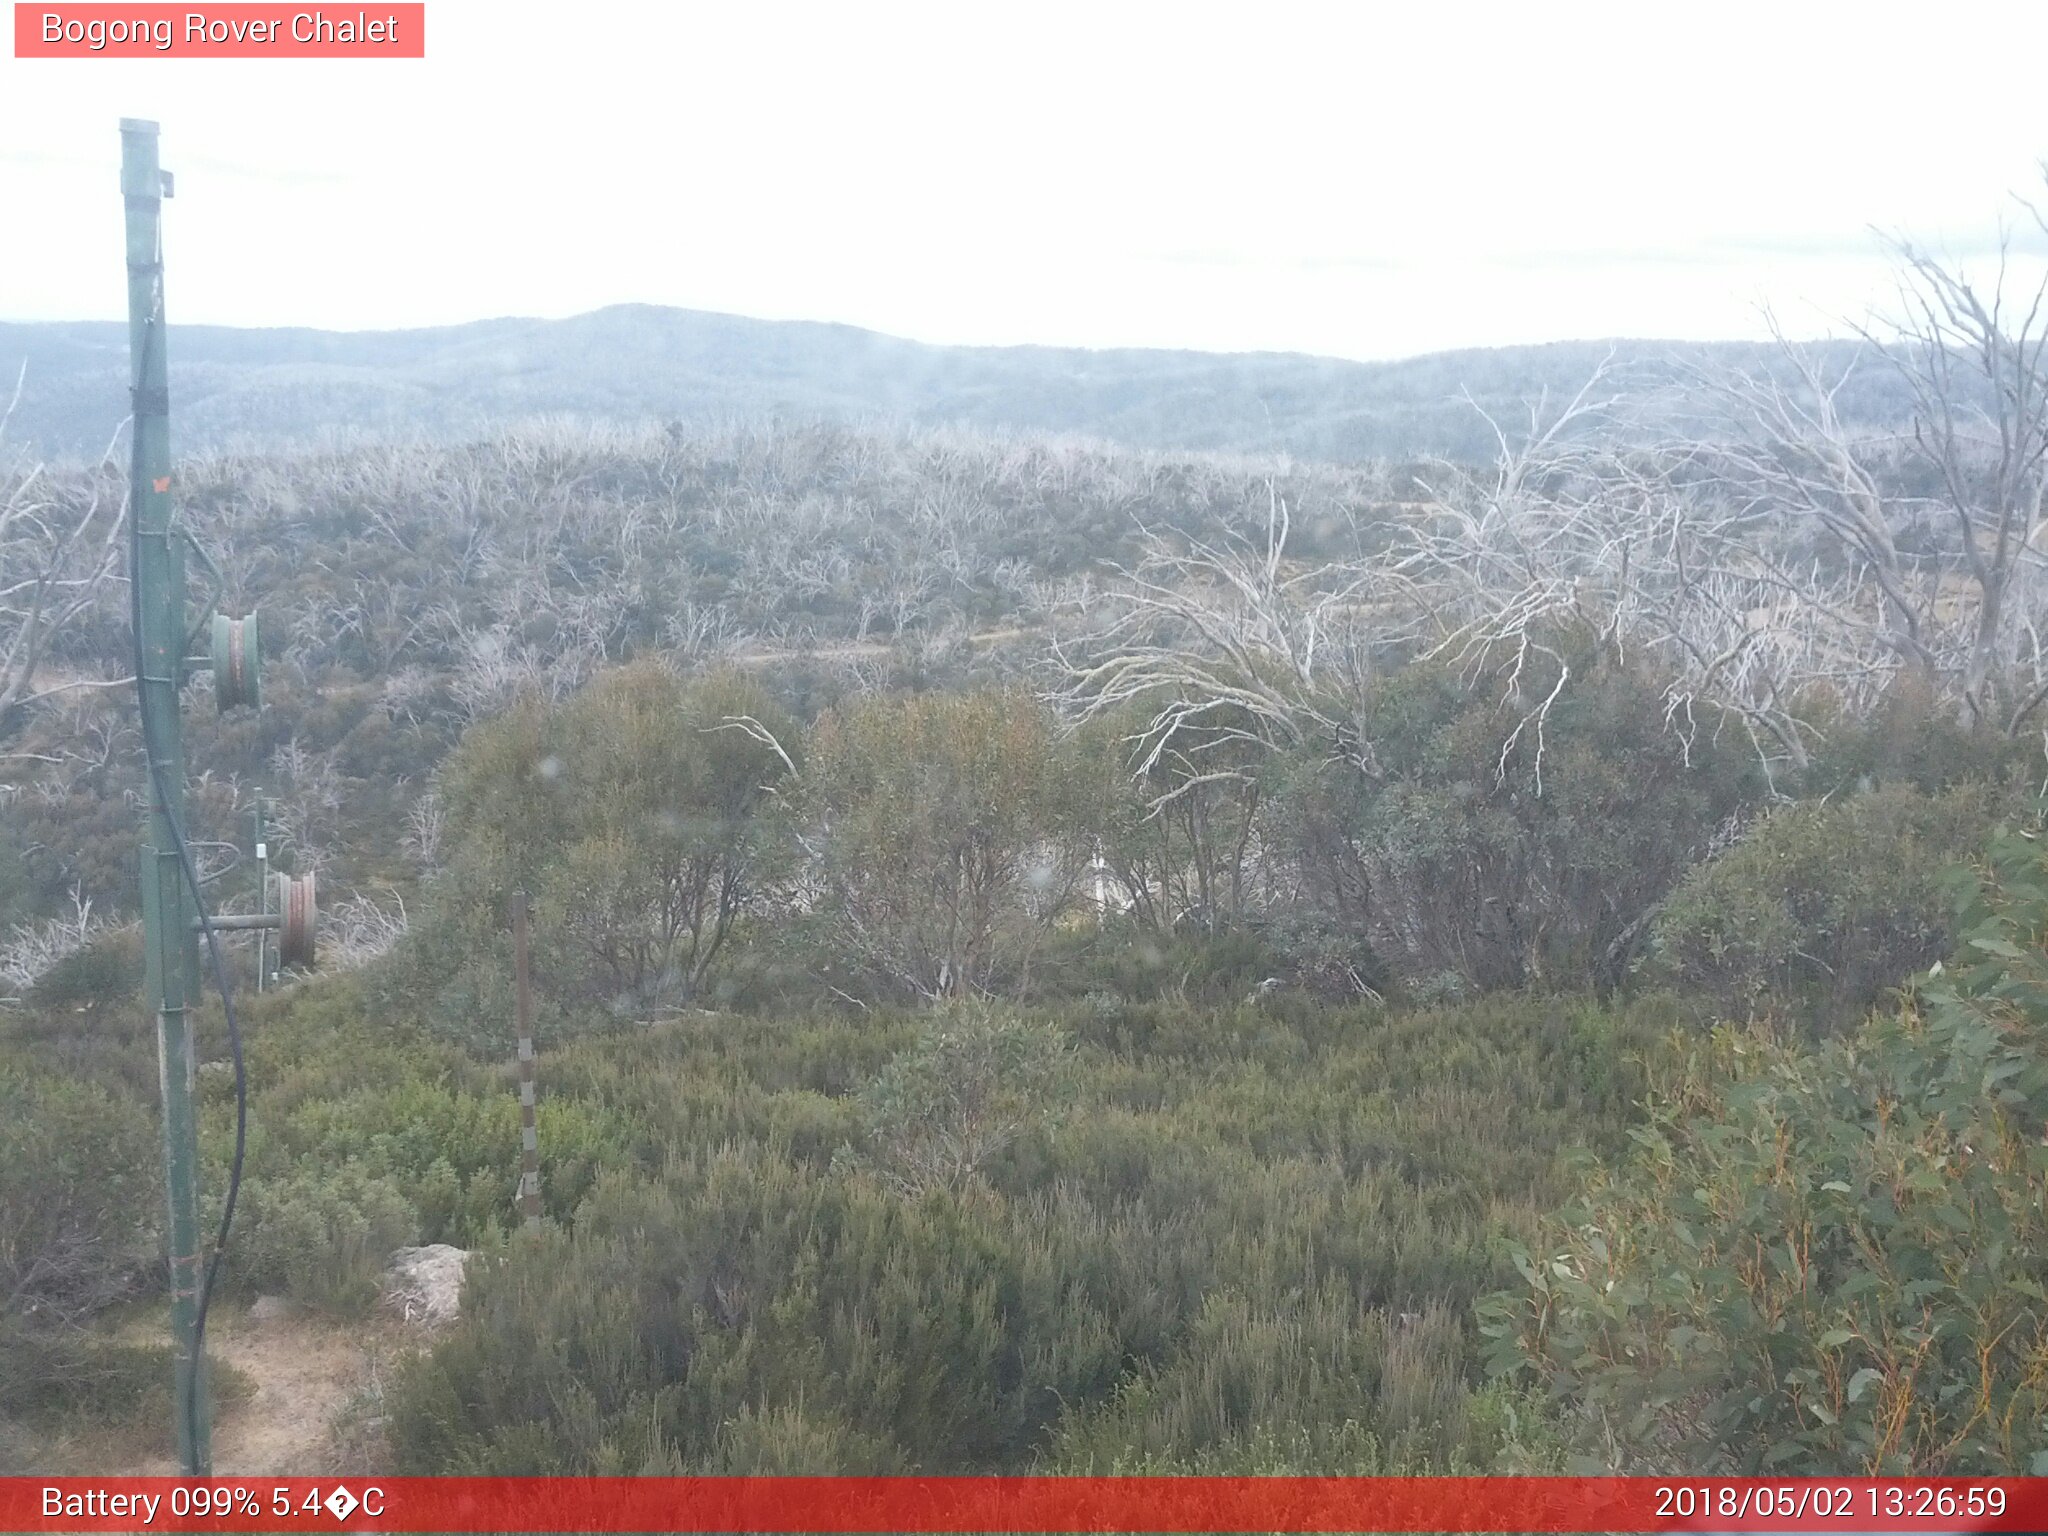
x: 304, y: 1372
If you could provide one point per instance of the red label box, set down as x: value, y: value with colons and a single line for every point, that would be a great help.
x: 1043, y: 1506
x: 227, y: 31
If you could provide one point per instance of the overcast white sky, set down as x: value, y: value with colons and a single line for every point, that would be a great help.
x: 1364, y: 180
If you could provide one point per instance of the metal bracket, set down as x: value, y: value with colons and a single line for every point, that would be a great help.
x: 211, y: 606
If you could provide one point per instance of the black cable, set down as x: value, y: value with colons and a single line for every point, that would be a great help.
x: 185, y: 862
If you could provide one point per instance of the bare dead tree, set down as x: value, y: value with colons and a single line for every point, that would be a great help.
x: 1484, y: 573
x: 1977, y: 377
x: 1923, y: 545
x: 425, y: 822
x: 1621, y: 547
x: 31, y: 949
x: 59, y: 547
x: 305, y: 809
x: 359, y: 928
x: 1787, y: 555
x: 1221, y: 641
x: 1229, y: 641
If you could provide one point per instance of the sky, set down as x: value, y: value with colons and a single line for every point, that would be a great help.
x: 1362, y: 180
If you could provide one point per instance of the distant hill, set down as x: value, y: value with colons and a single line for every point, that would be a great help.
x: 633, y: 363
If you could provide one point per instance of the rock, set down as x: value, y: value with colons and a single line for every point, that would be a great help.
x: 424, y: 1285
x: 266, y: 1309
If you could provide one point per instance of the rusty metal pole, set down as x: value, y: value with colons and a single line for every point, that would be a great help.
x: 529, y: 1134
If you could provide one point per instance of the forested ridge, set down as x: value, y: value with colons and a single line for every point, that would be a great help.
x: 279, y: 389
x: 1056, y: 956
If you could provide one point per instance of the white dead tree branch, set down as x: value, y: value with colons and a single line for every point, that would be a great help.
x: 1221, y: 643
x: 1623, y: 548
x: 1489, y: 570
x: 425, y: 821
x: 32, y: 949
x: 59, y: 547
x: 1974, y: 365
x: 1787, y: 557
x: 359, y: 928
x: 1910, y: 552
x: 757, y: 733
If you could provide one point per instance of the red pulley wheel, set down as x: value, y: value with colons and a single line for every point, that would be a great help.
x: 299, y: 924
x: 237, y: 662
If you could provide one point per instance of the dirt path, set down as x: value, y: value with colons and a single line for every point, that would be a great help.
x: 849, y: 650
x: 304, y: 1371
x: 861, y: 650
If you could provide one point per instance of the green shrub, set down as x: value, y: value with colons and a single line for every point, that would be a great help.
x: 639, y: 814
x: 975, y: 1081
x: 1825, y: 1261
x: 79, y: 1195
x: 318, y: 1235
x: 1474, y: 851
x: 80, y: 1207
x: 1369, y: 1395
x: 92, y: 980
x: 1912, y: 738
x: 794, y: 1440
x: 73, y: 1376
x: 335, y: 1084
x: 949, y: 840
x: 1821, y: 908
x: 456, y: 1151
x: 1173, y: 816
x: 1246, y: 1198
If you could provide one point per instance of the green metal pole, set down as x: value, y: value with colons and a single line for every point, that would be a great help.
x: 167, y: 906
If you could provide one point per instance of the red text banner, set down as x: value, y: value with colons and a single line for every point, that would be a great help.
x: 1021, y: 1504
x: 225, y: 31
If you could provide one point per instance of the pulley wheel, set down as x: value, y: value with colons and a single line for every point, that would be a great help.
x: 300, y: 920
x: 237, y: 662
